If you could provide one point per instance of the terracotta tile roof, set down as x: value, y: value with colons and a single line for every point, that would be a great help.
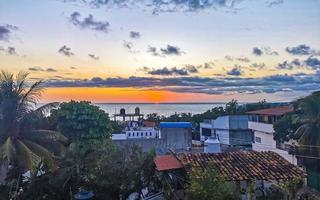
x: 244, y: 165
x: 273, y: 111
x: 167, y: 162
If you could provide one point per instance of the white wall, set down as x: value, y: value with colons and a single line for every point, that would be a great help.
x: 145, y: 134
x: 223, y: 136
x: 262, y: 127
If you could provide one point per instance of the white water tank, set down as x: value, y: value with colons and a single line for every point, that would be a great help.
x: 212, y: 145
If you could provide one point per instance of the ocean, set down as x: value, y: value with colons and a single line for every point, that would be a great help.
x: 165, y: 109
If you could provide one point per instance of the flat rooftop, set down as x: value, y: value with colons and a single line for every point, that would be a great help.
x: 175, y: 125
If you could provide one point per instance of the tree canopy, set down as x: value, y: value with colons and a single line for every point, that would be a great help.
x: 78, y: 120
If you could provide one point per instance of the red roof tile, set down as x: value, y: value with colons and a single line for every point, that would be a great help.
x: 167, y: 162
x: 273, y: 111
x: 244, y: 165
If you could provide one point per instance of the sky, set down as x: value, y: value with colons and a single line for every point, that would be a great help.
x: 164, y: 50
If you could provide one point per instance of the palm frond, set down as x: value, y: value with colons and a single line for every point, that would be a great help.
x: 51, y: 140
x: 21, y: 82
x: 26, y: 158
x: 8, y: 151
x: 33, y: 94
x: 44, y: 154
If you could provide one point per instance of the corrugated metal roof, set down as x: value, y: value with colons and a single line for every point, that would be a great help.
x: 167, y: 162
x: 175, y: 125
x: 277, y: 111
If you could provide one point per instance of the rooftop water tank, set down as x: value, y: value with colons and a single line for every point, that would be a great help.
x: 137, y: 111
x: 122, y: 111
x: 212, y: 145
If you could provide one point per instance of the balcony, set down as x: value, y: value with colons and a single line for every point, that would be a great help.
x: 262, y: 127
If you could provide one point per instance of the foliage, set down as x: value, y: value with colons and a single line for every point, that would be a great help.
x: 286, y: 127
x: 291, y: 187
x: 78, y: 120
x: 22, y: 146
x: 206, y: 185
x: 98, y: 166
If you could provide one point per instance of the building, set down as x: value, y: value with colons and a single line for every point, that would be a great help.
x: 241, y: 167
x: 170, y: 136
x: 261, y: 123
x: 230, y: 130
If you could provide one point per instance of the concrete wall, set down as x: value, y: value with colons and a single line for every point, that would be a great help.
x: 240, y: 137
x: 176, y: 139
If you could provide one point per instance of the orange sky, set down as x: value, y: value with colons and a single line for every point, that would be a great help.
x: 119, y: 95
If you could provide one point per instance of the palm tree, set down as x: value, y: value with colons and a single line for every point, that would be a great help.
x: 23, y: 147
x: 308, y: 110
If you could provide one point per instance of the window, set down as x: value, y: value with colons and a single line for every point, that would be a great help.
x: 258, y: 139
x: 133, y: 134
x: 129, y: 134
x: 141, y: 134
x: 150, y: 134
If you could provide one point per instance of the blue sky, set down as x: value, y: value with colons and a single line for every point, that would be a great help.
x: 78, y: 44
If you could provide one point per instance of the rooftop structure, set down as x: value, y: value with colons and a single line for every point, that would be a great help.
x: 175, y: 125
x: 236, y: 166
x: 167, y: 162
x: 276, y: 111
x: 131, y: 116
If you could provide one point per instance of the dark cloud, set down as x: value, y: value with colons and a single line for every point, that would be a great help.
x: 235, y: 71
x: 171, y: 50
x: 89, y: 23
x: 191, y: 69
x: 296, y: 63
x: 169, y: 72
x: 313, y: 63
x: 135, y: 35
x: 66, y: 51
x: 6, y: 31
x: 73, y: 68
x: 207, y: 65
x: 94, y: 57
x: 257, y: 51
x: 160, y: 6
x: 206, y: 85
x: 272, y: 3
x: 264, y: 50
x: 301, y: 49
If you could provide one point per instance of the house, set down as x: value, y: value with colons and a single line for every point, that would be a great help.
x: 230, y: 130
x: 242, y: 167
x: 261, y: 123
x: 170, y: 136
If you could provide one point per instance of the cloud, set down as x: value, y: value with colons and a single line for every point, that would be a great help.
x: 6, y: 31
x: 11, y: 51
x: 296, y: 63
x: 273, y: 3
x: 313, y: 63
x: 94, y: 57
x: 301, y: 49
x: 161, y: 6
x: 66, y: 51
x: 169, y: 72
x: 135, y: 35
x: 127, y: 45
x: 171, y: 50
x: 153, y: 51
x: 241, y: 59
x: 89, y: 23
x: 264, y: 50
x: 258, y: 65
x: 257, y: 51
x: 205, y: 85
x: 235, y: 71
x: 40, y: 69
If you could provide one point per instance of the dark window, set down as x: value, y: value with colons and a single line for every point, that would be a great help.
x: 258, y: 139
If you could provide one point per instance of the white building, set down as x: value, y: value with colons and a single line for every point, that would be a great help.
x: 230, y: 130
x: 142, y: 132
x: 261, y: 122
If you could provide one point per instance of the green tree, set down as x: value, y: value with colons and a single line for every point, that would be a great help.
x: 22, y: 146
x: 207, y: 185
x: 286, y: 127
x: 78, y: 120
